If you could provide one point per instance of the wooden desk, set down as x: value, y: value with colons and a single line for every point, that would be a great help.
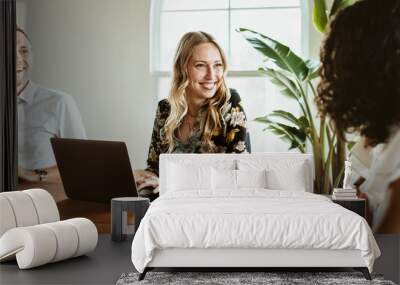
x: 98, y: 213
x: 55, y: 189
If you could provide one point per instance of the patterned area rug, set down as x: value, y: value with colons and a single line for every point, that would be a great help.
x: 242, y: 278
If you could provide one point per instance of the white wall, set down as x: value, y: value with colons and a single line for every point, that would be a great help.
x: 21, y: 14
x: 98, y: 52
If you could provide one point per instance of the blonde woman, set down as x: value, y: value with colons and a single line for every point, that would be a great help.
x: 200, y: 115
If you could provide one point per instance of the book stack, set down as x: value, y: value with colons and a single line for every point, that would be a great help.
x: 344, y: 194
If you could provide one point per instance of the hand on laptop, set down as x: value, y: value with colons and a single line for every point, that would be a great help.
x: 145, y: 179
x: 146, y: 183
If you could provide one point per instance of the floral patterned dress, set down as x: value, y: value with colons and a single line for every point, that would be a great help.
x: 231, y: 138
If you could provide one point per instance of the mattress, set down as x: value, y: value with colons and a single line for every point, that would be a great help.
x: 250, y: 219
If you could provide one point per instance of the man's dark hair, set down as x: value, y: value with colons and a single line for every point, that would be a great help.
x: 360, y: 74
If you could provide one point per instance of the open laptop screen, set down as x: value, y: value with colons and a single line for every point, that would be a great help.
x: 93, y: 170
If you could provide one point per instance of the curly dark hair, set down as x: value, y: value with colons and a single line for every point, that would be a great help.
x: 360, y: 74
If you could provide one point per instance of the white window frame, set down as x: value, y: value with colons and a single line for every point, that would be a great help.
x: 155, y: 12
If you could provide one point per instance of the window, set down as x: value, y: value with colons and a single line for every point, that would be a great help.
x: 279, y: 19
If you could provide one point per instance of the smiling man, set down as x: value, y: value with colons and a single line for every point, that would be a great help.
x: 42, y: 114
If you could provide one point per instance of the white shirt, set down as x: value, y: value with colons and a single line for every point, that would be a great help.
x: 385, y: 169
x: 43, y: 114
x: 360, y: 158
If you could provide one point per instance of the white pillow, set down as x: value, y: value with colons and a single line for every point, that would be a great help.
x: 283, y: 173
x: 182, y: 177
x: 293, y: 180
x: 251, y: 178
x: 223, y: 179
x: 237, y: 179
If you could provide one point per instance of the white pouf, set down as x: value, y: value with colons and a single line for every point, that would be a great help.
x: 40, y: 244
x: 31, y: 231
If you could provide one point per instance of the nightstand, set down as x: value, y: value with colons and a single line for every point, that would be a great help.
x: 119, y: 215
x: 357, y: 205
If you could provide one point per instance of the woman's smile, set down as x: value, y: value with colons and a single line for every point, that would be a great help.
x: 208, y: 85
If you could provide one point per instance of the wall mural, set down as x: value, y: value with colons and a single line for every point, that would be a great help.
x: 97, y: 84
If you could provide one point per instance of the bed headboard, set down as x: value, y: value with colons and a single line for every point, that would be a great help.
x: 233, y: 161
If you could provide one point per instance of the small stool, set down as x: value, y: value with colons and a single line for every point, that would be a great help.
x: 119, y: 215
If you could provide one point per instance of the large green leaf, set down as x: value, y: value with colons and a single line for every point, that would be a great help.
x: 340, y: 4
x: 285, y: 85
x: 302, y: 122
x: 280, y: 54
x: 295, y: 136
x: 305, y: 124
x: 287, y: 137
x: 263, y: 119
x: 283, y: 135
x: 295, y: 132
x: 313, y: 68
x: 320, y: 18
x: 285, y: 115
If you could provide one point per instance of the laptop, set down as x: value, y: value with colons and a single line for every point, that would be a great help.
x: 93, y: 170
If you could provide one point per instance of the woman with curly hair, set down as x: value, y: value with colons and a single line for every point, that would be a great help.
x: 360, y: 92
x: 200, y: 115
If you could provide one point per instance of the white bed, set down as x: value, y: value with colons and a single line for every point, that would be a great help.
x: 195, y: 223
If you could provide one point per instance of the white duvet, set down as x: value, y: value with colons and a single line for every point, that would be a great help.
x: 253, y: 218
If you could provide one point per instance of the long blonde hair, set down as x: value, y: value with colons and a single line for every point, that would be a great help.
x: 177, y: 94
